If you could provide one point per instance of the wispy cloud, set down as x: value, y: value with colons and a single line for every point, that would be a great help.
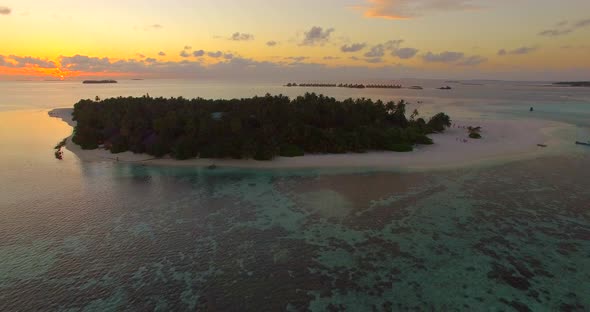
x: 216, y: 54
x: 162, y: 53
x: 472, y: 60
x: 237, y: 36
x: 16, y: 61
x: 565, y: 27
x: 406, y: 9
x: 518, y: 51
x: 455, y: 58
x: 555, y: 32
x: 5, y: 10
x: 405, y: 53
x: 271, y: 43
x: 317, y: 36
x: 582, y: 23
x: 380, y: 49
x: 443, y: 57
x: 391, y: 47
x: 374, y: 60
x: 355, y: 47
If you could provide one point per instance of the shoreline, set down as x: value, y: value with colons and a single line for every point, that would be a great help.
x: 502, y: 140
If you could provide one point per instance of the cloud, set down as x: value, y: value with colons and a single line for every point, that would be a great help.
x: 239, y: 69
x: 162, y: 53
x: 405, y: 53
x: 317, y: 36
x: 3, y: 62
x: 355, y: 47
x: 329, y: 58
x: 296, y: 59
x: 376, y: 51
x: 406, y: 9
x: 571, y: 47
x: 140, y: 55
x: 518, y: 51
x: 150, y: 60
x: 86, y: 63
x: 392, y: 47
x: 184, y: 53
x: 154, y: 27
x: 228, y: 56
x: 236, y: 68
x: 443, y: 57
x: 198, y: 53
x: 188, y: 47
x: 215, y: 54
x: 563, y: 28
x: 555, y: 32
x: 456, y: 58
x: 272, y: 43
x: 15, y: 61
x: 582, y: 23
x: 5, y: 10
x: 374, y: 60
x: 241, y: 37
x: 472, y: 61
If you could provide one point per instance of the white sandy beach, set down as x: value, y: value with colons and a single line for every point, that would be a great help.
x: 502, y: 139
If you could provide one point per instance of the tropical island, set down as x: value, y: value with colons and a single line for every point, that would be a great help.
x: 573, y: 83
x: 259, y: 128
x: 98, y: 81
x: 344, y: 85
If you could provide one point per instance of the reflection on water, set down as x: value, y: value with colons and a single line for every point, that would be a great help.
x: 111, y: 237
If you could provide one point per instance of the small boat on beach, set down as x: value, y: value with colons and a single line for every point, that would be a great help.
x: 583, y: 143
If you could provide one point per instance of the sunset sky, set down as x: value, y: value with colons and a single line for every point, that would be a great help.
x: 321, y: 39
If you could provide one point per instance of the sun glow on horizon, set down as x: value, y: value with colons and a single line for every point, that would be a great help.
x: 417, y: 38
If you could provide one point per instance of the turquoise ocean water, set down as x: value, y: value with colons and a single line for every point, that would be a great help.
x: 504, y: 236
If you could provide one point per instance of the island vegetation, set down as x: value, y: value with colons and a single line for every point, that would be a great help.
x: 259, y: 127
x: 345, y: 85
x: 58, y: 152
x: 474, y: 132
x: 98, y: 81
x: 573, y: 83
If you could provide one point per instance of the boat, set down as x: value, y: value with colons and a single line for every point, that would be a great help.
x: 583, y: 143
x: 541, y: 145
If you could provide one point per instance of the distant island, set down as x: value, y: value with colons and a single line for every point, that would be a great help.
x: 345, y: 85
x: 573, y: 83
x: 258, y: 128
x: 98, y: 81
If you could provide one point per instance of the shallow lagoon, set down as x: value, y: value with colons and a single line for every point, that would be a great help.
x: 104, y: 236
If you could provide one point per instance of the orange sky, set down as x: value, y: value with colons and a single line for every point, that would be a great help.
x: 188, y: 39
